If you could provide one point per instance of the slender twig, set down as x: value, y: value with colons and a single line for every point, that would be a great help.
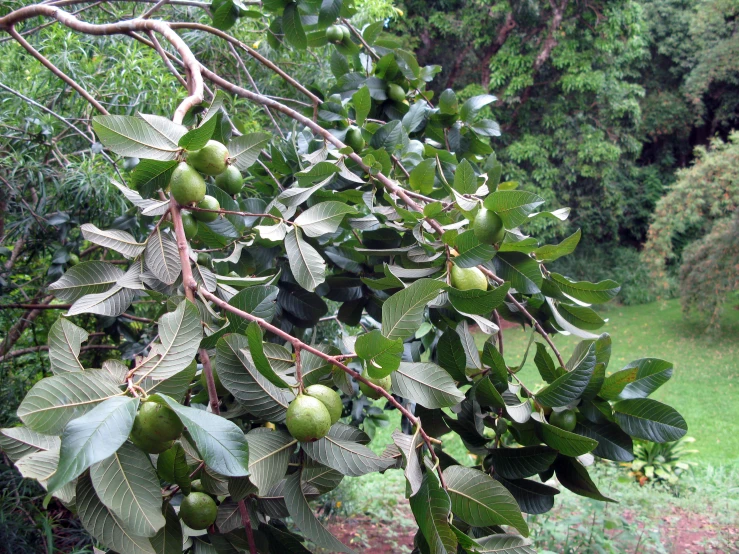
x: 210, y: 382
x: 246, y: 522
x: 233, y: 212
x: 43, y: 348
x: 151, y: 11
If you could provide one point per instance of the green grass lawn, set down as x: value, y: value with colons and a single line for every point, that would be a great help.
x: 705, y: 384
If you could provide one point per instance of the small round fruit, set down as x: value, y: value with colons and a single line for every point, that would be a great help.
x: 395, y: 92
x: 468, y: 278
x: 150, y: 446
x: 346, y: 32
x: 233, y: 274
x: 369, y: 392
x: 207, y: 203
x: 157, y: 422
x: 198, y: 511
x: 231, y: 181
x: 205, y: 259
x: 197, y: 486
x: 307, y: 418
x: 211, y: 159
x: 74, y: 259
x: 189, y: 225
x: 566, y: 419
x: 220, y: 389
x: 335, y: 33
x: 330, y: 399
x: 488, y: 227
x: 186, y: 185
x: 354, y: 139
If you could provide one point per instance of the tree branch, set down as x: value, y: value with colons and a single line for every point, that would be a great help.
x: 43, y: 348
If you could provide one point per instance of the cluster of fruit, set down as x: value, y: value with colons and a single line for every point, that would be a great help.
x: 155, y: 429
x: 488, y: 229
x: 187, y: 185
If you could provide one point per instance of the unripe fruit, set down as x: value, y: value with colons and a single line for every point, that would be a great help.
x: 330, y: 399
x: 189, y: 225
x: 468, y: 278
x: 198, y: 511
x: 211, y: 159
x: 205, y: 259
x: 230, y: 181
x: 186, y: 184
x: 566, y: 420
x: 395, y: 92
x: 220, y: 389
x: 148, y: 445
x: 335, y: 33
x: 488, y: 227
x: 307, y: 418
x: 156, y: 422
x: 74, y: 259
x: 369, y: 392
x: 197, y: 486
x: 354, y: 139
x: 207, y: 203
x: 347, y: 33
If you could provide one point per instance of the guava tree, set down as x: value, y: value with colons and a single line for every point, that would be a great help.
x: 376, y: 209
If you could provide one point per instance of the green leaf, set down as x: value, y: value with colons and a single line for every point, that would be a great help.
x: 513, y: 206
x: 163, y: 257
x: 469, y: 109
x: 581, y: 317
x: 613, y: 443
x: 197, y: 138
x: 486, y: 128
x: 245, y: 150
x: 477, y: 301
x: 175, y: 386
x: 426, y: 384
x: 128, y: 485
x: 448, y: 102
x: 505, y: 544
x: 304, y: 518
x: 551, y: 252
x: 431, y: 507
x: 120, y: 241
x: 415, y: 116
x: 465, y: 180
x: 350, y: 458
x: 102, y: 524
x: 85, y: 278
x: 409, y: 446
x: 220, y: 442
x: 388, y: 136
x: 544, y: 363
x: 522, y: 271
x: 225, y: 16
x: 402, y: 313
x: 574, y: 476
x: 93, y: 437
x: 592, y: 293
x: 492, y: 358
x: 422, y: 176
x: 569, y: 444
x: 180, y: 332
x: 316, y: 172
x: 17, y: 442
x: 172, y: 467
x: 532, y: 497
x: 487, y: 395
x: 519, y: 463
x: 570, y: 386
x: 450, y: 355
x: 249, y: 387
x: 362, y: 102
x: 54, y: 401
x: 169, y: 538
x: 638, y: 379
x: 293, y: 27
x: 307, y: 265
x: 269, y: 454
x: 111, y: 303
x: 382, y: 355
x: 472, y: 251
x: 650, y: 420
x: 256, y: 351
x: 153, y: 138
x: 323, y: 218
x: 480, y: 500
x: 260, y: 301
x: 151, y: 175
x: 65, y: 341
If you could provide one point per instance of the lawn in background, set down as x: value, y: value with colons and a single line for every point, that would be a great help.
x: 705, y: 383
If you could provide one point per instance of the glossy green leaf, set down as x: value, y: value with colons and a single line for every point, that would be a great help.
x: 513, y: 206
x: 85, y: 278
x: 569, y: 387
x: 592, y: 293
x: 427, y: 384
x: 650, y: 420
x: 402, y: 313
x: 382, y: 355
x: 306, y: 263
x: 519, y: 463
x: 638, y: 379
x: 431, y: 507
x: 269, y: 454
x: 261, y: 362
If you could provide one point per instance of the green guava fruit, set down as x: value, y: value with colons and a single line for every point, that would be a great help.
x: 189, y: 225
x: 231, y: 181
x: 197, y: 486
x: 211, y: 159
x: 307, y: 419
x: 220, y: 389
x: 488, y: 227
x: 156, y: 422
x: 395, y: 92
x: 346, y: 32
x: 186, y: 185
x: 198, y: 511
x: 149, y: 445
x: 468, y: 278
x: 74, y: 259
x: 334, y: 33
x: 384, y: 382
x: 354, y: 139
x: 330, y: 399
x: 207, y: 203
x: 566, y: 420
x: 205, y: 259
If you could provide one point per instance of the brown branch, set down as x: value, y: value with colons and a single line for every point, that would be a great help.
x: 43, y: 348
x: 246, y: 522
x: 210, y: 381
x: 19, y: 327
